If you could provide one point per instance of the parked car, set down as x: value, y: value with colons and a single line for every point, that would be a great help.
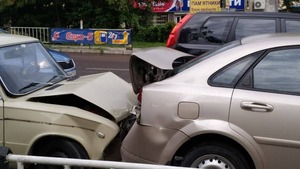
x: 44, y: 112
x: 3, y: 31
x: 64, y: 60
x: 233, y: 107
x: 204, y: 31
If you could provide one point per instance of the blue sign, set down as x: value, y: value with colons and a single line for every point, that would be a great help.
x: 80, y: 36
x: 88, y: 36
x: 237, y: 4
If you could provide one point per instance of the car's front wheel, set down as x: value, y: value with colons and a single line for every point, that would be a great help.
x: 61, y: 148
x: 215, y: 156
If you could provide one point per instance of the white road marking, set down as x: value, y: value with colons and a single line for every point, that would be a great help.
x: 107, y: 69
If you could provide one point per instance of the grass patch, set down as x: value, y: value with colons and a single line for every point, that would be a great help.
x: 147, y: 44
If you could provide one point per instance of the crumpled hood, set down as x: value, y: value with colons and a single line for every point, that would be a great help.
x: 105, y: 90
x: 154, y: 64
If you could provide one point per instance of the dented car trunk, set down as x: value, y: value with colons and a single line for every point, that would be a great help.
x: 154, y: 64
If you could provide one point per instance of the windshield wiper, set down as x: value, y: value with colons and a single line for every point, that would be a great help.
x: 49, y: 83
x: 32, y: 84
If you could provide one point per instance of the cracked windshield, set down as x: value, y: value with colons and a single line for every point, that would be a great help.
x: 28, y: 67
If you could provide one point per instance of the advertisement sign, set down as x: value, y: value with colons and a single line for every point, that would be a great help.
x: 180, y: 6
x: 237, y: 4
x: 192, y: 6
x: 88, y: 36
x: 165, y: 6
x: 80, y: 36
x: 112, y: 37
x: 204, y: 6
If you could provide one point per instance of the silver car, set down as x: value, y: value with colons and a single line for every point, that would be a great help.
x: 234, y: 108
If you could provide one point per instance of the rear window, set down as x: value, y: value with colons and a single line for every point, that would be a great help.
x: 207, y: 55
x: 214, y: 30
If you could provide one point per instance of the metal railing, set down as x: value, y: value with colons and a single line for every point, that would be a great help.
x: 8, y: 159
x: 41, y: 33
x: 69, y: 162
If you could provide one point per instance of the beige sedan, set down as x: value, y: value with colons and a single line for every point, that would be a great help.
x: 234, y: 108
x: 44, y: 112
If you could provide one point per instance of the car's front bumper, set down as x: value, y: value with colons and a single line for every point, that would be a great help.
x: 145, y: 144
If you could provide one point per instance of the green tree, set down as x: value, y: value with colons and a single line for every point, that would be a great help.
x: 289, y: 3
x: 68, y: 13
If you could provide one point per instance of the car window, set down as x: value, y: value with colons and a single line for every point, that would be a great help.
x: 216, y: 29
x: 27, y: 67
x: 229, y: 76
x: 207, y: 55
x: 292, y: 25
x: 278, y: 71
x: 248, y: 27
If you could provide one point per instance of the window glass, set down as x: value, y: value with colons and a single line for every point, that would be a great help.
x: 207, y: 55
x: 248, y: 27
x: 292, y: 26
x: 216, y: 30
x: 279, y: 71
x: 230, y: 75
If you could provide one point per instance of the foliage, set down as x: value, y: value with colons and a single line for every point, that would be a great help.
x: 68, y: 13
x: 154, y: 33
x: 288, y: 4
x: 104, y: 14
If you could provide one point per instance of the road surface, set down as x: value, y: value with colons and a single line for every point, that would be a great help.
x: 91, y: 63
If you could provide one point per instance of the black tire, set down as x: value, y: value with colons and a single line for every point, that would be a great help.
x: 59, y: 148
x: 217, y: 156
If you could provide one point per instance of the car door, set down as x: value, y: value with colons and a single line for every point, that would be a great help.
x: 266, y: 104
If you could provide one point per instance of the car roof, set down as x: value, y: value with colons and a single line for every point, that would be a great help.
x: 9, y: 39
x: 262, y: 14
x: 273, y: 38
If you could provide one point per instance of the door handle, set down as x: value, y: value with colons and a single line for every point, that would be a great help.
x: 259, y: 107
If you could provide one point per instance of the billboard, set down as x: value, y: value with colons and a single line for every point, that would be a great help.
x: 91, y: 37
x: 165, y: 6
x: 205, y: 6
x: 190, y: 5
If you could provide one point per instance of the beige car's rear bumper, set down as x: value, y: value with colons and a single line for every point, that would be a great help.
x: 146, y: 144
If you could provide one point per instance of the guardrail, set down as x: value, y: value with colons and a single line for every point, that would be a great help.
x: 6, y: 158
x: 41, y: 33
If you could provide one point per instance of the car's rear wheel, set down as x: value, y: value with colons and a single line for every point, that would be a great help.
x: 215, y: 156
x: 61, y: 148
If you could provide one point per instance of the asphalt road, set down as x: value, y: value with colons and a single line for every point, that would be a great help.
x: 91, y: 63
